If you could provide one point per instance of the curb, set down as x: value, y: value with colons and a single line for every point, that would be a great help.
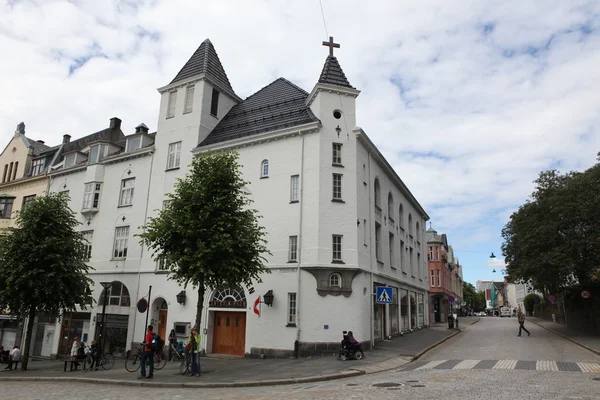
x: 568, y: 338
x: 274, y: 382
x: 425, y: 350
x: 474, y: 322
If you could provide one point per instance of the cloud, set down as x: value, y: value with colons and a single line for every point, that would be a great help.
x: 468, y: 101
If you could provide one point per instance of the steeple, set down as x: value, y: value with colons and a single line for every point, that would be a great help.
x: 332, y: 72
x: 206, y: 61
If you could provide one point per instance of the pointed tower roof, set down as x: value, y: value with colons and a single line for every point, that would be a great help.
x: 333, y: 74
x: 205, y: 61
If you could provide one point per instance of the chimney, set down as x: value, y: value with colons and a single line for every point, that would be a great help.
x: 66, y: 138
x: 115, y: 123
x: 21, y: 128
x: 141, y: 128
x: 40, y: 141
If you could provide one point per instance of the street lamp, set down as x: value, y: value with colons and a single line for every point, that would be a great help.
x: 106, y: 286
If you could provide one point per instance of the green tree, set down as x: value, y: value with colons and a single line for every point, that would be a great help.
x: 43, y: 264
x: 473, y: 298
x: 530, y: 301
x: 207, y: 233
x: 553, y: 240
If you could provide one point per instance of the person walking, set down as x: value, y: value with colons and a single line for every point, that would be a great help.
x: 148, y: 354
x: 194, y: 343
x: 15, y: 356
x: 521, y: 318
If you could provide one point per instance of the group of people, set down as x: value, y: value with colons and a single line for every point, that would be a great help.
x: 78, y: 352
x: 10, y: 357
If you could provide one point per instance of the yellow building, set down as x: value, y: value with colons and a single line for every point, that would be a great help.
x: 23, y: 166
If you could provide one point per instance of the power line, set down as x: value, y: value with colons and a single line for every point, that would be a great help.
x: 324, y: 22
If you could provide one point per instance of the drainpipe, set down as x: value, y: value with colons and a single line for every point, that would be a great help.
x: 137, y: 296
x: 298, y: 296
x: 372, y: 295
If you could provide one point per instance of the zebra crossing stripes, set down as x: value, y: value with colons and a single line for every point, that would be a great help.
x: 542, y: 365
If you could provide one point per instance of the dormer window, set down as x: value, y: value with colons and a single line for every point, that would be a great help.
x: 214, y: 103
x: 37, y: 167
x: 97, y: 153
x: 70, y: 160
x: 134, y: 143
x: 172, y: 104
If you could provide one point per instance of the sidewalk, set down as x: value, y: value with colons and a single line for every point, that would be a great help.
x: 237, y: 372
x: 585, y: 340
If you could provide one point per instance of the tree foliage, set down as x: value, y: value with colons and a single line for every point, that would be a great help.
x: 207, y: 233
x: 553, y: 240
x: 43, y: 263
x: 474, y: 299
x: 530, y: 301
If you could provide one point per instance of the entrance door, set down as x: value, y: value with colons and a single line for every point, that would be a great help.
x: 229, y: 333
x: 162, y: 324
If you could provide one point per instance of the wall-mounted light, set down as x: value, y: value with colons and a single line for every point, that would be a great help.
x: 338, y: 130
x: 181, y: 297
x: 269, y: 298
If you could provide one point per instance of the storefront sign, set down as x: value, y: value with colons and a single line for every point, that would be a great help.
x: 228, y: 303
x: 116, y: 321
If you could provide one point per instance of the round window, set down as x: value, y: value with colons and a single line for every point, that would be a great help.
x: 337, y: 114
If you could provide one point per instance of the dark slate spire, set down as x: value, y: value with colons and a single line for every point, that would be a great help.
x: 205, y: 61
x: 332, y: 73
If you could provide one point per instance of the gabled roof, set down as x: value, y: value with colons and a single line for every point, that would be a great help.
x: 332, y: 73
x: 431, y: 235
x: 205, y: 61
x: 112, y: 135
x: 38, y: 148
x: 278, y: 105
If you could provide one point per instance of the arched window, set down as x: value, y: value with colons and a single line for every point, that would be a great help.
x: 264, y: 169
x: 401, y: 216
x: 391, y: 206
x: 335, y: 280
x: 118, y: 295
x: 410, y: 227
x: 377, y: 194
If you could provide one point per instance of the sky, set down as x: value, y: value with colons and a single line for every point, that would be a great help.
x: 468, y: 100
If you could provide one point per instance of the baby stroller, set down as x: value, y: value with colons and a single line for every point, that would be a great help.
x: 347, y: 350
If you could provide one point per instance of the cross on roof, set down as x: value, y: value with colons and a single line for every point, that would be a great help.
x: 331, y: 45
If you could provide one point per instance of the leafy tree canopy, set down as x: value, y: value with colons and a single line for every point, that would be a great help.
x: 553, y: 240
x: 207, y: 233
x: 43, y: 263
x: 474, y: 299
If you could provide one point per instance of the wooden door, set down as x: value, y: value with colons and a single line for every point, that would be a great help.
x: 162, y: 324
x: 229, y: 333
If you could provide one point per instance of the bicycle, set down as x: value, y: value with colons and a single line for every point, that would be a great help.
x: 104, y: 360
x: 186, y: 363
x: 133, y: 361
x: 174, y: 354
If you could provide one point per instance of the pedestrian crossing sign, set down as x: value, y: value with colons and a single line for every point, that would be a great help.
x: 383, y: 295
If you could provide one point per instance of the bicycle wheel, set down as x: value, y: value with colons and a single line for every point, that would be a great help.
x: 184, y: 367
x: 159, y: 362
x: 108, y: 361
x: 86, y: 364
x: 133, y: 363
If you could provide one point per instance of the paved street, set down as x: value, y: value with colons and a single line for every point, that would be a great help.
x: 542, y: 366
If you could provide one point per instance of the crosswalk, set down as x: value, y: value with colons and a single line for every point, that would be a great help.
x: 557, y: 366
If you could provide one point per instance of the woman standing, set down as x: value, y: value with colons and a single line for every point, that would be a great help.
x: 75, y: 351
x: 194, y: 343
x: 172, y: 343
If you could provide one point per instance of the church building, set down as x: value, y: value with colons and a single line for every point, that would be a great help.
x: 340, y: 222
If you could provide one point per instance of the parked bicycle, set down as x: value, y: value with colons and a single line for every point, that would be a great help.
x: 186, y: 363
x: 174, y: 354
x: 104, y: 360
x: 134, y: 361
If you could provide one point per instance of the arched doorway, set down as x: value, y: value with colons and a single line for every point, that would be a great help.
x: 116, y: 319
x: 228, y: 306
x: 160, y: 310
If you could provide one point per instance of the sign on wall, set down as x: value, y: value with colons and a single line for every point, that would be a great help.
x: 383, y: 295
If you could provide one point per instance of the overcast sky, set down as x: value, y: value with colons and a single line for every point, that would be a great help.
x: 468, y: 100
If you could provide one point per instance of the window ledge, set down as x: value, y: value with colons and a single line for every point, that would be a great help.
x: 394, y: 268
x: 214, y: 116
x: 264, y: 177
x: 290, y: 326
x: 172, y: 169
x: 404, y: 273
x: 414, y: 277
x: 337, y: 262
x: 366, y: 245
x: 365, y: 183
x: 293, y: 262
x: 187, y: 112
x: 118, y: 259
x: 337, y: 201
x: 337, y: 165
x: 125, y: 205
x: 170, y: 117
x: 4, y: 217
x: 161, y: 272
x: 380, y: 263
x: 294, y: 201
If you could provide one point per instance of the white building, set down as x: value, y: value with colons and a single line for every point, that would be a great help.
x: 340, y: 221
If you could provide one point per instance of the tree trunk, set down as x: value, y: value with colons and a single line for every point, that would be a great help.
x: 25, y: 352
x: 199, y: 306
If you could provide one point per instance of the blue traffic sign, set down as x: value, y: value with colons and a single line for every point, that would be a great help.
x: 383, y: 295
x: 451, y: 299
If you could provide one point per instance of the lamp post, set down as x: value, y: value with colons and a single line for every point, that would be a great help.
x: 106, y: 286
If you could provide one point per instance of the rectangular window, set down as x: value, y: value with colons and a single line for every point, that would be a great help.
x: 439, y: 278
x: 412, y: 264
x: 432, y: 278
x: 419, y: 267
x: 189, y: 99
x: 134, y: 143
x: 37, y: 167
x: 121, y: 239
x: 402, y: 255
x: 437, y: 253
x: 291, y: 320
x: 98, y: 152
x: 172, y: 103
x: 88, y: 237
x: 337, y: 247
x: 337, y: 186
x: 365, y: 232
x: 6, y: 204
x: 214, y: 102
x: 174, y: 156
x: 165, y: 204
x: 91, y: 195
x: 293, y: 251
x: 430, y: 248
x: 377, y: 241
x: 337, y: 154
x: 69, y: 160
x: 161, y: 264
x: 5, y: 172
x: 127, y: 187
x: 391, y: 247
x: 364, y: 173
x: 294, y: 188
x: 27, y: 200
